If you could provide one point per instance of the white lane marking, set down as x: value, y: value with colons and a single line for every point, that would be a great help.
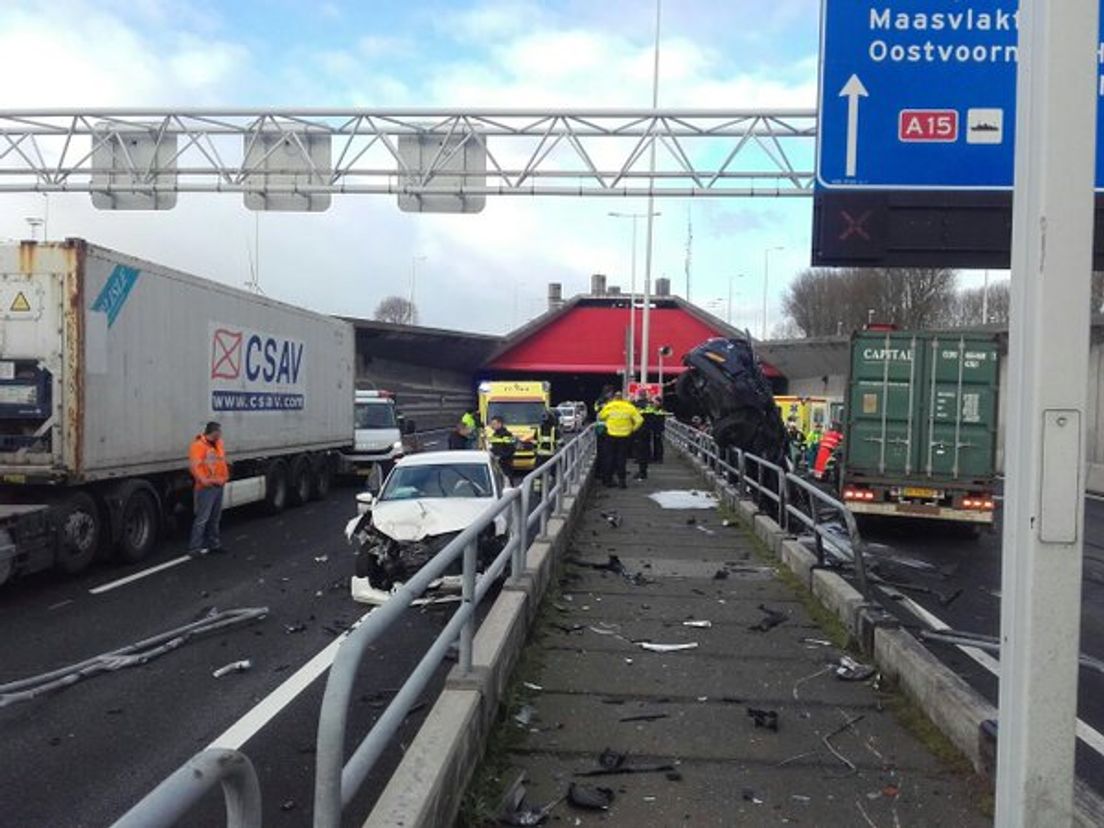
x: 1085, y: 732
x: 251, y: 723
x: 137, y: 576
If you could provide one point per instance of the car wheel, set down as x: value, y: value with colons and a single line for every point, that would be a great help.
x: 140, y: 522
x: 80, y: 527
x: 276, y: 487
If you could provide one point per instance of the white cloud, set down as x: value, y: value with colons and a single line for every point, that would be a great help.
x: 347, y: 259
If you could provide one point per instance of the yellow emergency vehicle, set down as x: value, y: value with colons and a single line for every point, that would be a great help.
x: 521, y: 404
x: 808, y: 411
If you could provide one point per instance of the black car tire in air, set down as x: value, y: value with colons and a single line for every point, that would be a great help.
x: 79, y: 529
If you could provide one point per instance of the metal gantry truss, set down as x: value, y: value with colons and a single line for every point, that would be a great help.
x: 296, y: 159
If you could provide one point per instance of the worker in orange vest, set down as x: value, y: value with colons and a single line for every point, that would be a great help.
x: 829, y: 442
x: 207, y: 463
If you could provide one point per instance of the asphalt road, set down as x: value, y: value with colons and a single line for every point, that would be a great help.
x: 945, y: 561
x: 83, y: 755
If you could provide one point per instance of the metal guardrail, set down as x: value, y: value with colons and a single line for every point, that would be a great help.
x: 167, y: 804
x: 794, y: 499
x: 337, y: 781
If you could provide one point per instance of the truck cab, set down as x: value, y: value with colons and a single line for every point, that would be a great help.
x: 377, y: 436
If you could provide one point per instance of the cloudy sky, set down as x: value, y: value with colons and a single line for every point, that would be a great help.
x: 483, y: 272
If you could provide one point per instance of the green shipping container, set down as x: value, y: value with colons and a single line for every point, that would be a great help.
x: 922, y: 408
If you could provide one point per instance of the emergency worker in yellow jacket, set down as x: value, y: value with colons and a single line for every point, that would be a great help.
x: 621, y: 419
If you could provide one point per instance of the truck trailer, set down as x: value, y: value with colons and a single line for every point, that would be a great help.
x: 920, y: 437
x: 110, y: 365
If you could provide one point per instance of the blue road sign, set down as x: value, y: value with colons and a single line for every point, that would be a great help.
x: 921, y: 94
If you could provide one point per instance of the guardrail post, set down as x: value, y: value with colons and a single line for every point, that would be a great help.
x: 517, y: 534
x: 543, y: 506
x: 560, y: 479
x: 743, y: 473
x: 467, y: 632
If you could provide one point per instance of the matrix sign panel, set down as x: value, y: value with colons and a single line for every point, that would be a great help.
x: 920, y: 95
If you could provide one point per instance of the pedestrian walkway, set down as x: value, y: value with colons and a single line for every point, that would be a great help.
x: 839, y: 755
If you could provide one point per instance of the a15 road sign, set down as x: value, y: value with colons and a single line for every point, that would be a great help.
x: 920, y: 95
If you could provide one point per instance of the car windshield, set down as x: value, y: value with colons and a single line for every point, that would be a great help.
x: 375, y: 415
x: 566, y: 409
x: 442, y: 481
x: 517, y: 412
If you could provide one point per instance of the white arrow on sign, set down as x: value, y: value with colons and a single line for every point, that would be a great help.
x: 853, y: 90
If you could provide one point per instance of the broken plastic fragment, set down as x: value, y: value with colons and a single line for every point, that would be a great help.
x: 592, y: 799
x: 749, y: 796
x: 233, y: 667
x: 612, y: 518
x: 611, y: 759
x: 525, y: 715
x: 667, y: 648
x: 851, y: 670
x: 321, y: 558
x: 771, y: 619
x: 528, y: 685
x: 699, y: 624
x: 766, y: 719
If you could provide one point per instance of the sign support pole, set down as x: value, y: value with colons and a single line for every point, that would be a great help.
x: 1048, y: 366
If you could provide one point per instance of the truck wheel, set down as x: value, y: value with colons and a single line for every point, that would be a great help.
x: 139, y: 526
x: 79, y: 526
x: 301, y: 481
x: 276, y: 487
x: 323, y: 477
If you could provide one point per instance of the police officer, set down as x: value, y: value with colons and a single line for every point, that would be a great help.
x: 547, y: 436
x: 622, y: 421
x: 501, y: 443
x: 642, y: 439
x: 655, y: 421
x: 471, y: 423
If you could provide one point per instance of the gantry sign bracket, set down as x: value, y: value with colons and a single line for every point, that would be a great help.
x: 433, y: 160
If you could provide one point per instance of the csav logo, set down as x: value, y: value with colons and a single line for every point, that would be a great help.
x: 255, y: 371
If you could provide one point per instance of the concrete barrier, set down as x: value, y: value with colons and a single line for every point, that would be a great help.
x: 426, y: 789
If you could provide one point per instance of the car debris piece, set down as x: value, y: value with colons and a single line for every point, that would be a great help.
x: 667, y: 648
x: 819, y: 642
x: 528, y: 685
x: 611, y: 759
x: 644, y: 717
x: 514, y: 810
x: 673, y: 776
x: 827, y: 740
x: 288, y: 805
x: 702, y: 625
x: 588, y: 798
x: 321, y: 558
x: 720, y: 575
x: 851, y: 670
x: 233, y: 667
x: 627, y: 769
x: 683, y: 499
x: 613, y: 565
x: 771, y: 619
x: 766, y: 719
x: 524, y: 716
x: 749, y: 796
x: 612, y: 518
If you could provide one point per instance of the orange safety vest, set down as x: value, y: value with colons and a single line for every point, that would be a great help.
x: 207, y: 462
x: 828, y: 444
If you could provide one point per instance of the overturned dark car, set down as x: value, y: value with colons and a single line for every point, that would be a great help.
x: 726, y: 386
x: 426, y: 501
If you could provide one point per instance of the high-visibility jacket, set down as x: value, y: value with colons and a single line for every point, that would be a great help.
x: 207, y: 463
x: 621, y: 418
x: 502, y: 444
x: 546, y: 440
x: 828, y: 444
x: 468, y: 420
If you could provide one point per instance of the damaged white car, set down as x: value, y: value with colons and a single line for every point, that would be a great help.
x: 425, y: 502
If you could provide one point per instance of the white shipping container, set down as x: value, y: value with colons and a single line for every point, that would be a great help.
x: 110, y: 365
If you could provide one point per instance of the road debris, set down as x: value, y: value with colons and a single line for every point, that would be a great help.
x: 514, y: 811
x: 766, y: 719
x: 720, y: 575
x: 297, y: 627
x: 749, y: 796
x: 588, y: 798
x: 682, y: 499
x: 612, y: 518
x: 851, y: 670
x: 810, y: 677
x: 233, y: 667
x: 827, y: 740
x: 702, y: 625
x: 818, y: 642
x: 288, y: 805
x: 611, y: 759
x: 644, y: 717
x: 321, y: 558
x: 667, y: 648
x: 132, y: 655
x: 524, y: 716
x: 528, y: 685
x: 771, y: 619
x: 705, y: 529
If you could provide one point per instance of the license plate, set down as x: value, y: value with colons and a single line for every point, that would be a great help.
x: 926, y: 494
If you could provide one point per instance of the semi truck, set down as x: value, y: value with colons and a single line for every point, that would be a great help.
x: 110, y: 365
x: 920, y: 436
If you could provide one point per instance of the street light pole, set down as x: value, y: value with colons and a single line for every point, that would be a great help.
x: 646, y: 320
x: 1044, y: 516
x: 766, y: 280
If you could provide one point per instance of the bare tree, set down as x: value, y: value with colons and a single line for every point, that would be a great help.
x: 823, y: 302
x: 397, y: 310
x: 968, y: 305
